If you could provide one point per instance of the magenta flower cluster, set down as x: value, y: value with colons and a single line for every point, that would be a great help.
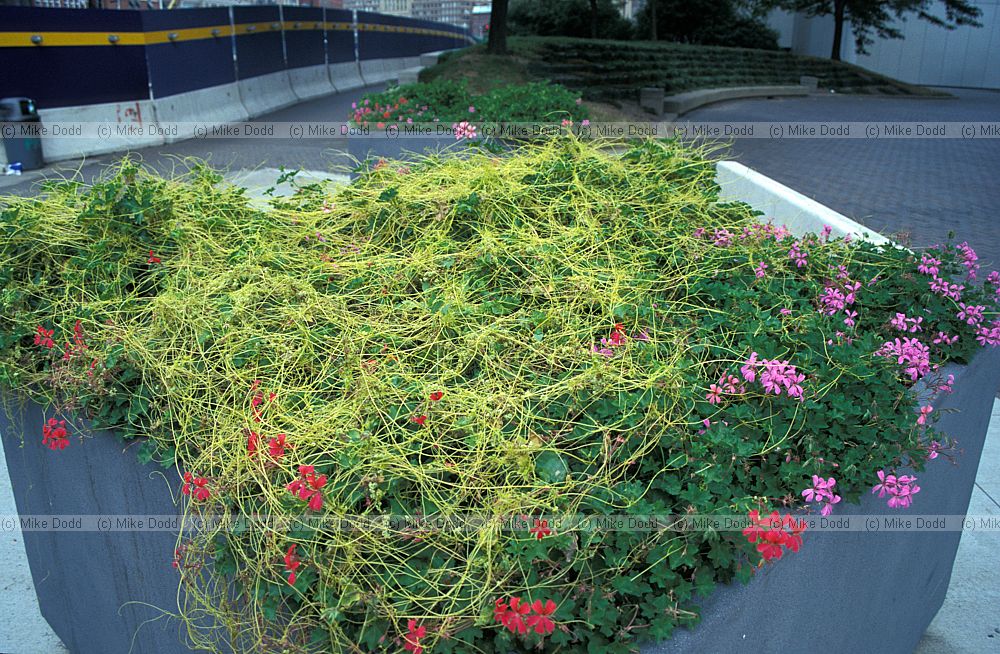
x: 914, y: 356
x: 945, y: 289
x: 928, y: 265
x: 728, y: 384
x: 989, y: 335
x: 899, y: 489
x: 464, y: 130
x: 972, y: 315
x: 906, y: 324
x: 969, y: 259
x: 723, y: 238
x: 840, y: 298
x: 775, y: 376
x: 799, y: 256
x: 822, y: 492
x: 924, y: 412
x: 761, y: 231
x: 944, y: 339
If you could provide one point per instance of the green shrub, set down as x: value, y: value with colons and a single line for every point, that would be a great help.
x: 449, y: 101
x: 567, y: 18
x: 542, y: 334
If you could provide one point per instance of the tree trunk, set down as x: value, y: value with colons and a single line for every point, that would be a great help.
x: 652, y: 19
x: 838, y: 28
x: 593, y: 19
x: 498, y: 28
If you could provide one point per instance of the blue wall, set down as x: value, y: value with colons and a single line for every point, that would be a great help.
x: 188, y: 65
x: 163, y: 53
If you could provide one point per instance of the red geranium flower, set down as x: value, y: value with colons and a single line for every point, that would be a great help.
x: 292, y: 563
x: 413, y: 637
x: 43, y: 337
x: 195, y: 486
x: 153, y: 258
x: 774, y: 532
x: 276, y: 447
x: 253, y: 439
x: 436, y: 395
x: 541, y: 529
x: 420, y: 420
x: 541, y: 621
x: 54, y: 434
x: 499, y: 609
x: 513, y: 616
x: 308, y: 487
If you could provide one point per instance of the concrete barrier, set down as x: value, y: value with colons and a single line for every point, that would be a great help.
x: 310, y: 82
x: 783, y: 205
x: 684, y: 102
x: 215, y: 105
x: 374, y: 71
x: 346, y: 76
x: 408, y: 75
x: 128, y: 124
x: 429, y: 59
x: 266, y: 93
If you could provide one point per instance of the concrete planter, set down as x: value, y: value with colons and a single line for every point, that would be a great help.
x: 96, y: 590
x: 847, y: 591
x: 107, y: 592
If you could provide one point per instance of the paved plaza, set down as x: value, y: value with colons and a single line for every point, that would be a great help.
x: 923, y: 187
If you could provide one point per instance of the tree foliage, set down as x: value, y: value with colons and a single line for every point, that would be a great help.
x: 578, y: 18
x: 705, y: 22
x: 881, y: 17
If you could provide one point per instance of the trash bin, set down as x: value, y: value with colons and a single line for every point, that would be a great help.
x: 23, y: 146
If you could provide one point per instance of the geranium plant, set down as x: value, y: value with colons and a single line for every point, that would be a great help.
x: 448, y: 358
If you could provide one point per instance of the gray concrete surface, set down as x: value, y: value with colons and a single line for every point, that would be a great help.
x: 234, y: 155
x: 923, y: 187
x: 682, y: 103
x: 23, y: 630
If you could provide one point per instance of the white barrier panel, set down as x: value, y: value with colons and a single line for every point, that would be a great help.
x: 346, y: 76
x: 392, y: 67
x: 784, y: 206
x: 310, y: 82
x: 372, y: 71
x: 132, y: 125
x: 375, y: 71
x: 216, y: 105
x: 266, y: 93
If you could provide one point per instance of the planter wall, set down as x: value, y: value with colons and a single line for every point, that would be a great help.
x: 844, y: 591
x: 855, y: 591
x: 97, y: 590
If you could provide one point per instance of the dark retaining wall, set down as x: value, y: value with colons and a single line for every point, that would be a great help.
x: 843, y: 592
